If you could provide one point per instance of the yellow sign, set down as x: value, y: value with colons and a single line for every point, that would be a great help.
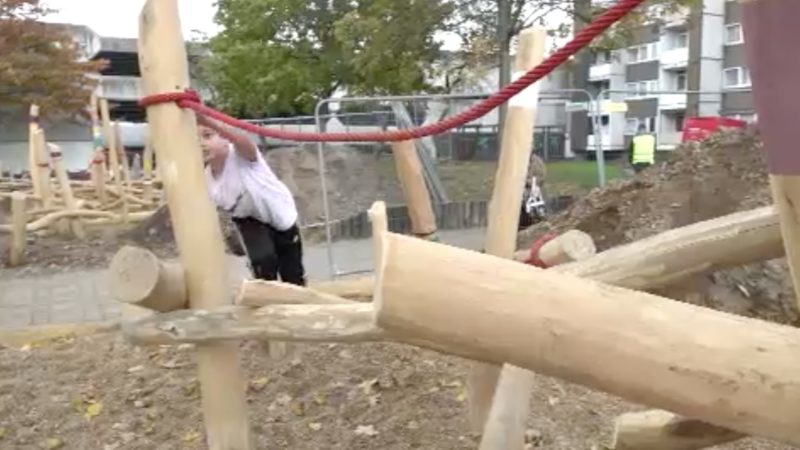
x: 614, y: 107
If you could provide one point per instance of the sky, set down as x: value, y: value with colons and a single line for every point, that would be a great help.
x: 120, y: 18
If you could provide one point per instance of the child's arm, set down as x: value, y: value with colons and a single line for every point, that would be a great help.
x: 243, y: 145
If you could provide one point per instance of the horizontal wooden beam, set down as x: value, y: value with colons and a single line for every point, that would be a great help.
x: 729, y: 370
x: 347, y: 322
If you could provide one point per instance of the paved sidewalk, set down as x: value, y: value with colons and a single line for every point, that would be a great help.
x: 83, y: 296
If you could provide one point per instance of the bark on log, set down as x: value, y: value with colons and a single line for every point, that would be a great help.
x: 349, y: 322
x: 504, y: 209
x: 725, y: 369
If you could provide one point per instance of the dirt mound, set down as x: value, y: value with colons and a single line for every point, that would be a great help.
x: 724, y: 174
x: 355, y: 178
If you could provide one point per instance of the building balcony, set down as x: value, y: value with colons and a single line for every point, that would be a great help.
x: 600, y: 72
x: 677, y: 58
x: 671, y: 102
x: 121, y: 88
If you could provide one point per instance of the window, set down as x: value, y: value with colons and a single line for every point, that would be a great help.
x: 680, y: 81
x: 602, y: 57
x: 678, y: 40
x: 641, y: 53
x: 632, y: 124
x: 733, y: 34
x: 642, y: 88
x: 735, y: 77
x: 679, y: 118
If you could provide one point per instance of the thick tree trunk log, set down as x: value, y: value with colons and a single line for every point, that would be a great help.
x: 721, y: 368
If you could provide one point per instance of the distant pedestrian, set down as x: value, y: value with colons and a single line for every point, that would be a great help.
x: 642, y: 150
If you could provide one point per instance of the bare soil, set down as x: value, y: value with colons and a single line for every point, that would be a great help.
x: 99, y: 393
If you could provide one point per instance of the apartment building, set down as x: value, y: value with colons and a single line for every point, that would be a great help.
x: 119, y: 82
x: 650, y: 83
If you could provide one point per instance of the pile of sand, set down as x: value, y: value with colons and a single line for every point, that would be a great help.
x: 724, y: 174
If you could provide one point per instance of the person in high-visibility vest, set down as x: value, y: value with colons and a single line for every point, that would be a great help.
x: 642, y: 150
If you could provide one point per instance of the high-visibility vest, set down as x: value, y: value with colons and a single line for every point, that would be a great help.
x: 644, y: 149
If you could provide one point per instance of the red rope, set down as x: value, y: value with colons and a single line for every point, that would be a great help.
x: 533, y: 256
x: 191, y: 100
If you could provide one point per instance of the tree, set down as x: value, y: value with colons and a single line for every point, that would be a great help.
x: 40, y: 62
x: 486, y: 29
x: 279, y: 57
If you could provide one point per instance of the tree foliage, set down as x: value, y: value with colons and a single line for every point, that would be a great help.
x: 40, y: 62
x: 277, y: 57
x: 475, y: 23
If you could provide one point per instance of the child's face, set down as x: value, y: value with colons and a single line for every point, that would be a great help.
x: 214, y: 146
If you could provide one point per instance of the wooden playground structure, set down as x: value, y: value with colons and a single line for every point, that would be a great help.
x: 49, y: 201
x: 716, y: 377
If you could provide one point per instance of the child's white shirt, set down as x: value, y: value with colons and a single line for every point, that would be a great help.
x: 251, y: 189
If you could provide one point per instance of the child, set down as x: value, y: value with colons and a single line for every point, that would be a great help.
x: 242, y: 184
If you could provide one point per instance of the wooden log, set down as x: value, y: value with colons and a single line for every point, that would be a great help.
x: 33, y: 159
x: 258, y: 293
x: 19, y: 237
x: 508, y: 415
x: 721, y: 368
x: 415, y: 192
x: 173, y: 131
x: 662, y: 430
x: 138, y: 277
x: 504, y: 210
x: 113, y: 155
x: 66, y: 189
x: 98, y: 162
x: 655, y: 262
x: 43, y: 168
x: 298, y: 323
x: 122, y: 156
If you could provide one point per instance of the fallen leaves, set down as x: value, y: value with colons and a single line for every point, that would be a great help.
x: 93, y: 410
x: 53, y: 443
x: 191, y: 436
x: 315, y: 426
x: 366, y: 430
x: 259, y: 384
x: 2, y: 432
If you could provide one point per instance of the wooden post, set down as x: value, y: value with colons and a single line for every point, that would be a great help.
x: 19, y: 238
x: 418, y: 200
x: 113, y: 156
x: 721, y: 368
x: 163, y: 62
x: 42, y: 168
x: 66, y: 190
x: 508, y: 416
x: 122, y: 156
x: 98, y: 163
x: 33, y: 160
x: 504, y: 208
